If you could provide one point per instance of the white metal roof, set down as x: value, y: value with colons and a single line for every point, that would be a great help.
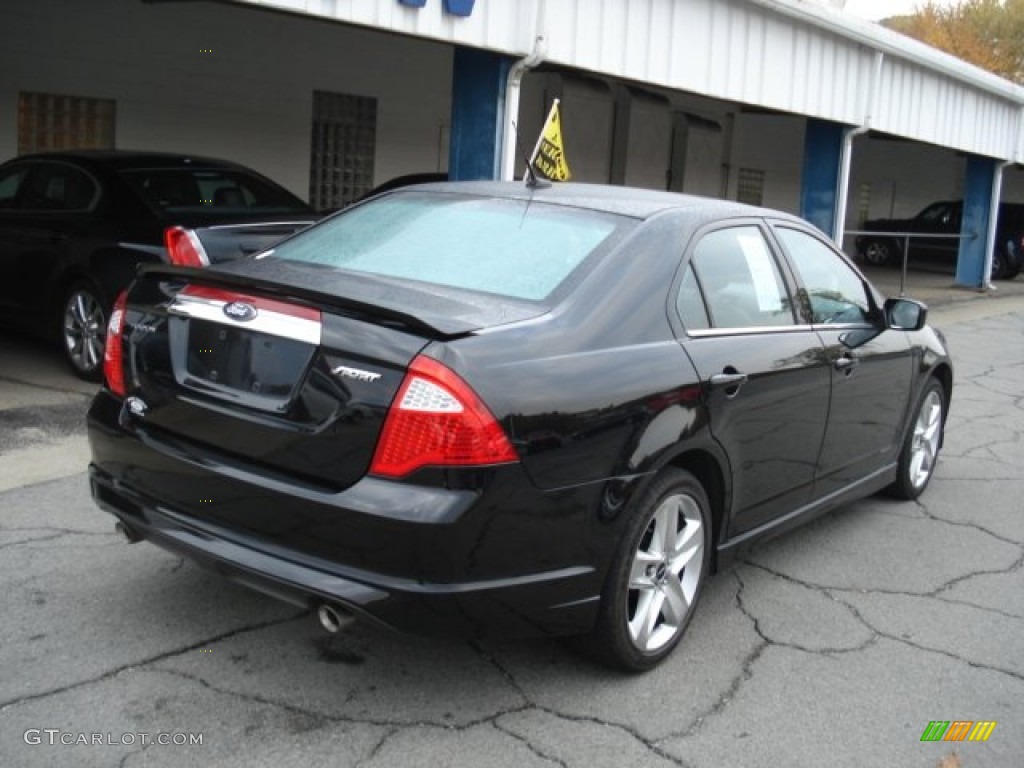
x: 787, y: 55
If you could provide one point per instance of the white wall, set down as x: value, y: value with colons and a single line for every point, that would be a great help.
x: 773, y: 144
x: 1013, y: 185
x: 250, y: 100
x: 785, y: 55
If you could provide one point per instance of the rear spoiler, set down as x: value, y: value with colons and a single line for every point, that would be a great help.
x: 435, y: 327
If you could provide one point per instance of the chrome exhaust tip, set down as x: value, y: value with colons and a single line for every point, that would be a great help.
x: 333, y: 618
x: 126, y: 533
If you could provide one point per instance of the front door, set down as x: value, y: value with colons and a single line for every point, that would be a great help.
x: 871, y: 368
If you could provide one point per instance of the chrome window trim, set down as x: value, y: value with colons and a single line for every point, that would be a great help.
x: 749, y: 330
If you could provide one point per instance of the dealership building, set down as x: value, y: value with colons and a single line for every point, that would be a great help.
x: 782, y: 103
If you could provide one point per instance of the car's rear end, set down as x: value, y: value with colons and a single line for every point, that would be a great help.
x: 307, y: 423
x: 212, y: 211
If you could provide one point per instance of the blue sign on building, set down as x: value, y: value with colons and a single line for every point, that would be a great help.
x: 453, y: 7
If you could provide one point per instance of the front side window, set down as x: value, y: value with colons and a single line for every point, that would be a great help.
x: 939, y: 214
x: 835, y: 292
x: 739, y: 280
x: 514, y: 248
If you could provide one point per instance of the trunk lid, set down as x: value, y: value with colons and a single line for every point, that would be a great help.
x: 296, y: 384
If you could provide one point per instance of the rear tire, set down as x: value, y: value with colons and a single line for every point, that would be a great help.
x: 83, y: 329
x: 657, y: 575
x: 920, y: 450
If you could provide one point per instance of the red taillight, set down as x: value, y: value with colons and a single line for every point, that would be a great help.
x: 437, y: 420
x: 113, y: 351
x: 184, y: 248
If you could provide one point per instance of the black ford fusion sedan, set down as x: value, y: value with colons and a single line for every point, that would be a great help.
x: 485, y: 407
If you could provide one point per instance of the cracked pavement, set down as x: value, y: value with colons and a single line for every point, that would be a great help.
x: 833, y: 645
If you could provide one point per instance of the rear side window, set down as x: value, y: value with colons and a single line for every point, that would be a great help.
x: 225, y: 192
x: 10, y: 182
x: 739, y: 280
x: 513, y: 248
x: 58, y: 187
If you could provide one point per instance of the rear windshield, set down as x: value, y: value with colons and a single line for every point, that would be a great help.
x: 225, y: 192
x: 512, y: 248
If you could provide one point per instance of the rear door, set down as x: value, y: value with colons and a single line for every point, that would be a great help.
x: 764, y: 373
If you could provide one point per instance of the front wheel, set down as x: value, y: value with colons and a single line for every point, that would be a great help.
x: 657, y: 575
x: 999, y: 266
x: 83, y: 330
x: 920, y: 450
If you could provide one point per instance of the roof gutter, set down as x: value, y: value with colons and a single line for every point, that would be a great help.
x: 513, y: 86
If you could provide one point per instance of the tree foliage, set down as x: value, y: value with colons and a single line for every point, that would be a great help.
x: 987, y: 33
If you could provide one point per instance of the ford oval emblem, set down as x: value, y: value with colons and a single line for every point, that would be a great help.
x: 240, y: 311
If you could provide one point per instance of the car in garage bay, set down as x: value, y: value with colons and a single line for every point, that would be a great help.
x: 487, y: 407
x: 933, y: 236
x: 75, y: 225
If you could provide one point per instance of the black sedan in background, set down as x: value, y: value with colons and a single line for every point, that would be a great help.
x: 484, y: 407
x: 75, y: 225
x: 943, y: 219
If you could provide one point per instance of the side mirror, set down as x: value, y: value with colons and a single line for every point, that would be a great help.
x: 905, y: 314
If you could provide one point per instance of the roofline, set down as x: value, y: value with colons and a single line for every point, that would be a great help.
x: 880, y: 38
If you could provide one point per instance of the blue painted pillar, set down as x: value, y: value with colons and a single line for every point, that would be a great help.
x: 823, y: 147
x: 978, y: 185
x: 478, y: 111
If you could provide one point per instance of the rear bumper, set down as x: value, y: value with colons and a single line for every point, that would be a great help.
x: 523, y: 606
x: 470, y: 563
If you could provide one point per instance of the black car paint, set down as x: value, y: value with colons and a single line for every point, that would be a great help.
x: 597, y: 395
x: 43, y: 252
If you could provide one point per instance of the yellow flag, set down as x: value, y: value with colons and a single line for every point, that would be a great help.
x: 548, y: 158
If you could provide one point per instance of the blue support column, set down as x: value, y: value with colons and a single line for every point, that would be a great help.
x: 978, y: 184
x: 478, y: 110
x: 823, y: 146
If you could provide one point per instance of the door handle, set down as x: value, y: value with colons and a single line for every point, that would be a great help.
x: 728, y: 379
x: 846, y: 363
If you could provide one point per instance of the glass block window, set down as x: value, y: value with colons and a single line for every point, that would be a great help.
x: 48, y: 121
x: 863, y: 203
x: 343, y: 145
x: 750, y: 188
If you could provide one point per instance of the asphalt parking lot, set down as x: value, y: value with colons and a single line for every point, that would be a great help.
x: 834, y: 645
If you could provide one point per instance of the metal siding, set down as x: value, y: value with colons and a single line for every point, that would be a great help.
x: 775, y: 54
x: 926, y: 106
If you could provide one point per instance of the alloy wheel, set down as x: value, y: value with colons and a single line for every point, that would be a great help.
x: 877, y: 253
x: 925, y: 441
x: 84, y: 330
x: 666, y: 573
